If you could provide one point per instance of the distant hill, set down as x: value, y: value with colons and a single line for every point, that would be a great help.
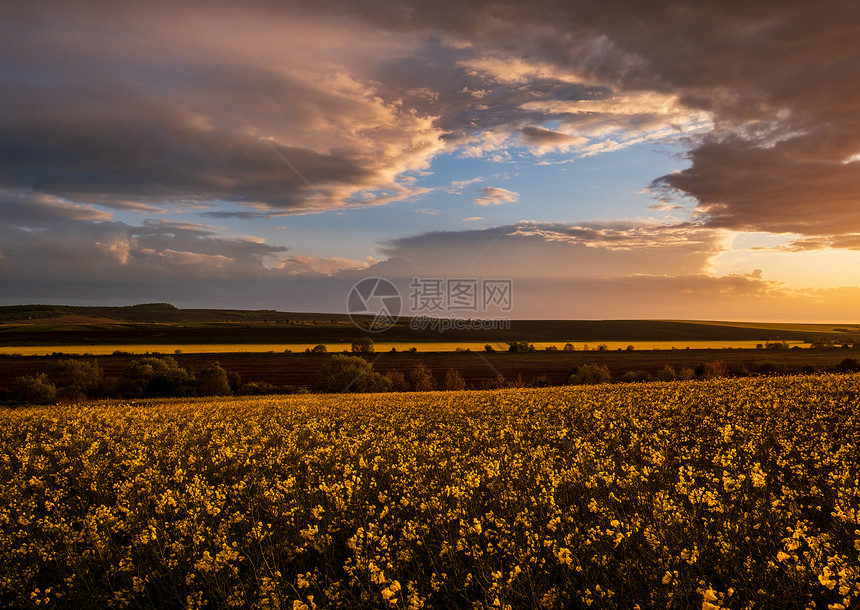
x: 34, y: 312
x: 163, y: 323
x: 144, y: 312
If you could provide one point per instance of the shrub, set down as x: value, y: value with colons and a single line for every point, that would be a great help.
x: 711, y: 369
x: 848, y: 365
x: 768, y: 367
x: 319, y: 349
x: 33, y: 389
x: 256, y: 388
x: 235, y: 380
x: 362, y: 345
x: 667, y: 373
x: 738, y: 370
x: 155, y: 377
x: 568, y: 347
x: 75, y: 379
x: 350, y: 374
x: 589, y: 374
x: 212, y: 380
x: 540, y: 381
x: 454, y: 380
x: 398, y: 381
x: 421, y: 378
x: 494, y: 384
x: 686, y: 373
x: 489, y: 348
x: 521, y: 347
x: 373, y: 382
x: 636, y: 376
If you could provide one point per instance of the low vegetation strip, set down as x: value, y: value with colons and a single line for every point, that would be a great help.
x: 381, y: 346
x: 736, y: 493
x: 56, y: 378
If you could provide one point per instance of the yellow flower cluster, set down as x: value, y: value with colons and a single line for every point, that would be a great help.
x: 719, y: 494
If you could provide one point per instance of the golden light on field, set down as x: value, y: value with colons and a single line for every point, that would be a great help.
x: 725, y: 493
x: 380, y: 346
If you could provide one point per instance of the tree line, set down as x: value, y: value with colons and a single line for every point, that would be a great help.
x: 70, y: 380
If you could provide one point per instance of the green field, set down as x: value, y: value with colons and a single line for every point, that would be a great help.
x: 726, y: 493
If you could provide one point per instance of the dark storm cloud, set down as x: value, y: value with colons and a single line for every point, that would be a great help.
x: 134, y: 105
x: 778, y: 80
x: 291, y: 107
x: 123, y: 144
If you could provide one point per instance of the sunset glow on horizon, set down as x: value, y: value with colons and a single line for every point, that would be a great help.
x: 666, y: 160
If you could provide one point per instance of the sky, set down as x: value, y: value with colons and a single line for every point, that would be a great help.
x: 615, y: 159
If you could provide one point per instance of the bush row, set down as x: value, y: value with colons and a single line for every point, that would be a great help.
x: 162, y: 377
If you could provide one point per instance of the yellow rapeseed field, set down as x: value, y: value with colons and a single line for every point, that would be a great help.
x: 725, y: 493
x: 380, y: 346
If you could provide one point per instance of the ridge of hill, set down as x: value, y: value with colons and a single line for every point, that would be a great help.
x: 163, y: 323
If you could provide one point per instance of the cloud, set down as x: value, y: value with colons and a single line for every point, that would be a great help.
x: 159, y: 111
x: 312, y: 265
x: 849, y: 241
x: 601, y: 271
x: 520, y: 71
x: 493, y: 195
x: 220, y: 122
x: 456, y: 187
x: 473, y: 218
x: 623, y: 236
x: 765, y: 94
x: 576, y: 251
x: 193, y: 259
x: 774, y: 158
x: 611, y: 271
x: 274, y: 109
x: 545, y: 140
x: 28, y: 208
x: 48, y: 241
